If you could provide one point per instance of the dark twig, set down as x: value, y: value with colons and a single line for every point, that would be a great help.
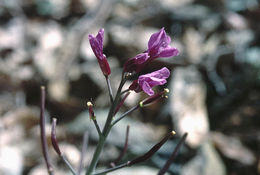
x: 173, y: 156
x: 83, y: 151
x: 125, y: 146
x: 57, y: 148
x: 43, y: 134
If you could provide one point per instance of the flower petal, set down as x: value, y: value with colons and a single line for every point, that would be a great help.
x: 96, y: 44
x: 148, y: 81
x: 136, y: 63
x: 169, y: 52
x: 96, y: 47
x: 100, y: 37
x: 147, y: 89
x: 155, y: 39
x: 158, y: 45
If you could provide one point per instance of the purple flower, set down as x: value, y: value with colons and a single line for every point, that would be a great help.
x: 96, y: 44
x: 136, y: 63
x: 158, y: 46
x: 148, y: 81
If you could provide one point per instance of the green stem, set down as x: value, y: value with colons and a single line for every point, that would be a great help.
x: 97, y: 127
x: 96, y: 155
x: 106, y: 129
x: 125, y: 91
x: 113, y: 107
x: 109, y: 89
x: 125, y: 114
x: 68, y: 164
x: 112, y: 169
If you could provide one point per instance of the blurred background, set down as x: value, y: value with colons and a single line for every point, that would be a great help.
x: 214, y: 84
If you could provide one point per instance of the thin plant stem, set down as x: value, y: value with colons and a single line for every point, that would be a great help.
x: 125, y: 114
x: 57, y: 148
x: 97, y: 127
x: 125, y: 145
x: 125, y: 91
x: 121, y: 103
x: 53, y: 137
x: 68, y: 164
x: 109, y: 89
x: 83, y: 152
x: 96, y: 155
x: 139, y: 159
x: 106, y: 129
x: 173, y: 156
x: 152, y: 151
x: 43, y: 134
x: 112, y: 169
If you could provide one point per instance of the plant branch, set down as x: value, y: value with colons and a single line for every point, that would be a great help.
x: 173, y: 156
x: 97, y: 127
x: 152, y: 151
x: 111, y: 113
x: 112, y: 169
x: 106, y: 129
x: 57, y: 148
x: 68, y: 164
x: 43, y: 134
x: 121, y: 103
x: 125, y: 91
x: 109, y: 89
x: 139, y: 159
x: 83, y: 152
x: 125, y: 146
x: 125, y: 114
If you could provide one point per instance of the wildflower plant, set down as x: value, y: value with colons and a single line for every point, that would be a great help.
x: 158, y: 46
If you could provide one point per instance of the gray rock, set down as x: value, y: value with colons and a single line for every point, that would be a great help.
x: 189, y: 113
x: 205, y: 163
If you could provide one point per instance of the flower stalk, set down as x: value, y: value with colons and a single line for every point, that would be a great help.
x: 173, y: 155
x: 93, y: 117
x: 124, y: 149
x: 109, y: 89
x: 43, y: 133
x: 106, y: 129
x: 83, y: 152
x: 152, y: 151
x: 139, y: 159
x: 57, y: 148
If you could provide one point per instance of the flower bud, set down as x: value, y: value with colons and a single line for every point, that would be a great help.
x: 96, y: 44
x: 91, y: 111
x: 53, y: 137
x: 148, y: 81
x: 154, y: 98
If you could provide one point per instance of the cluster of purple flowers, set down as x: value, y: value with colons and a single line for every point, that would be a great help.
x: 158, y: 46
